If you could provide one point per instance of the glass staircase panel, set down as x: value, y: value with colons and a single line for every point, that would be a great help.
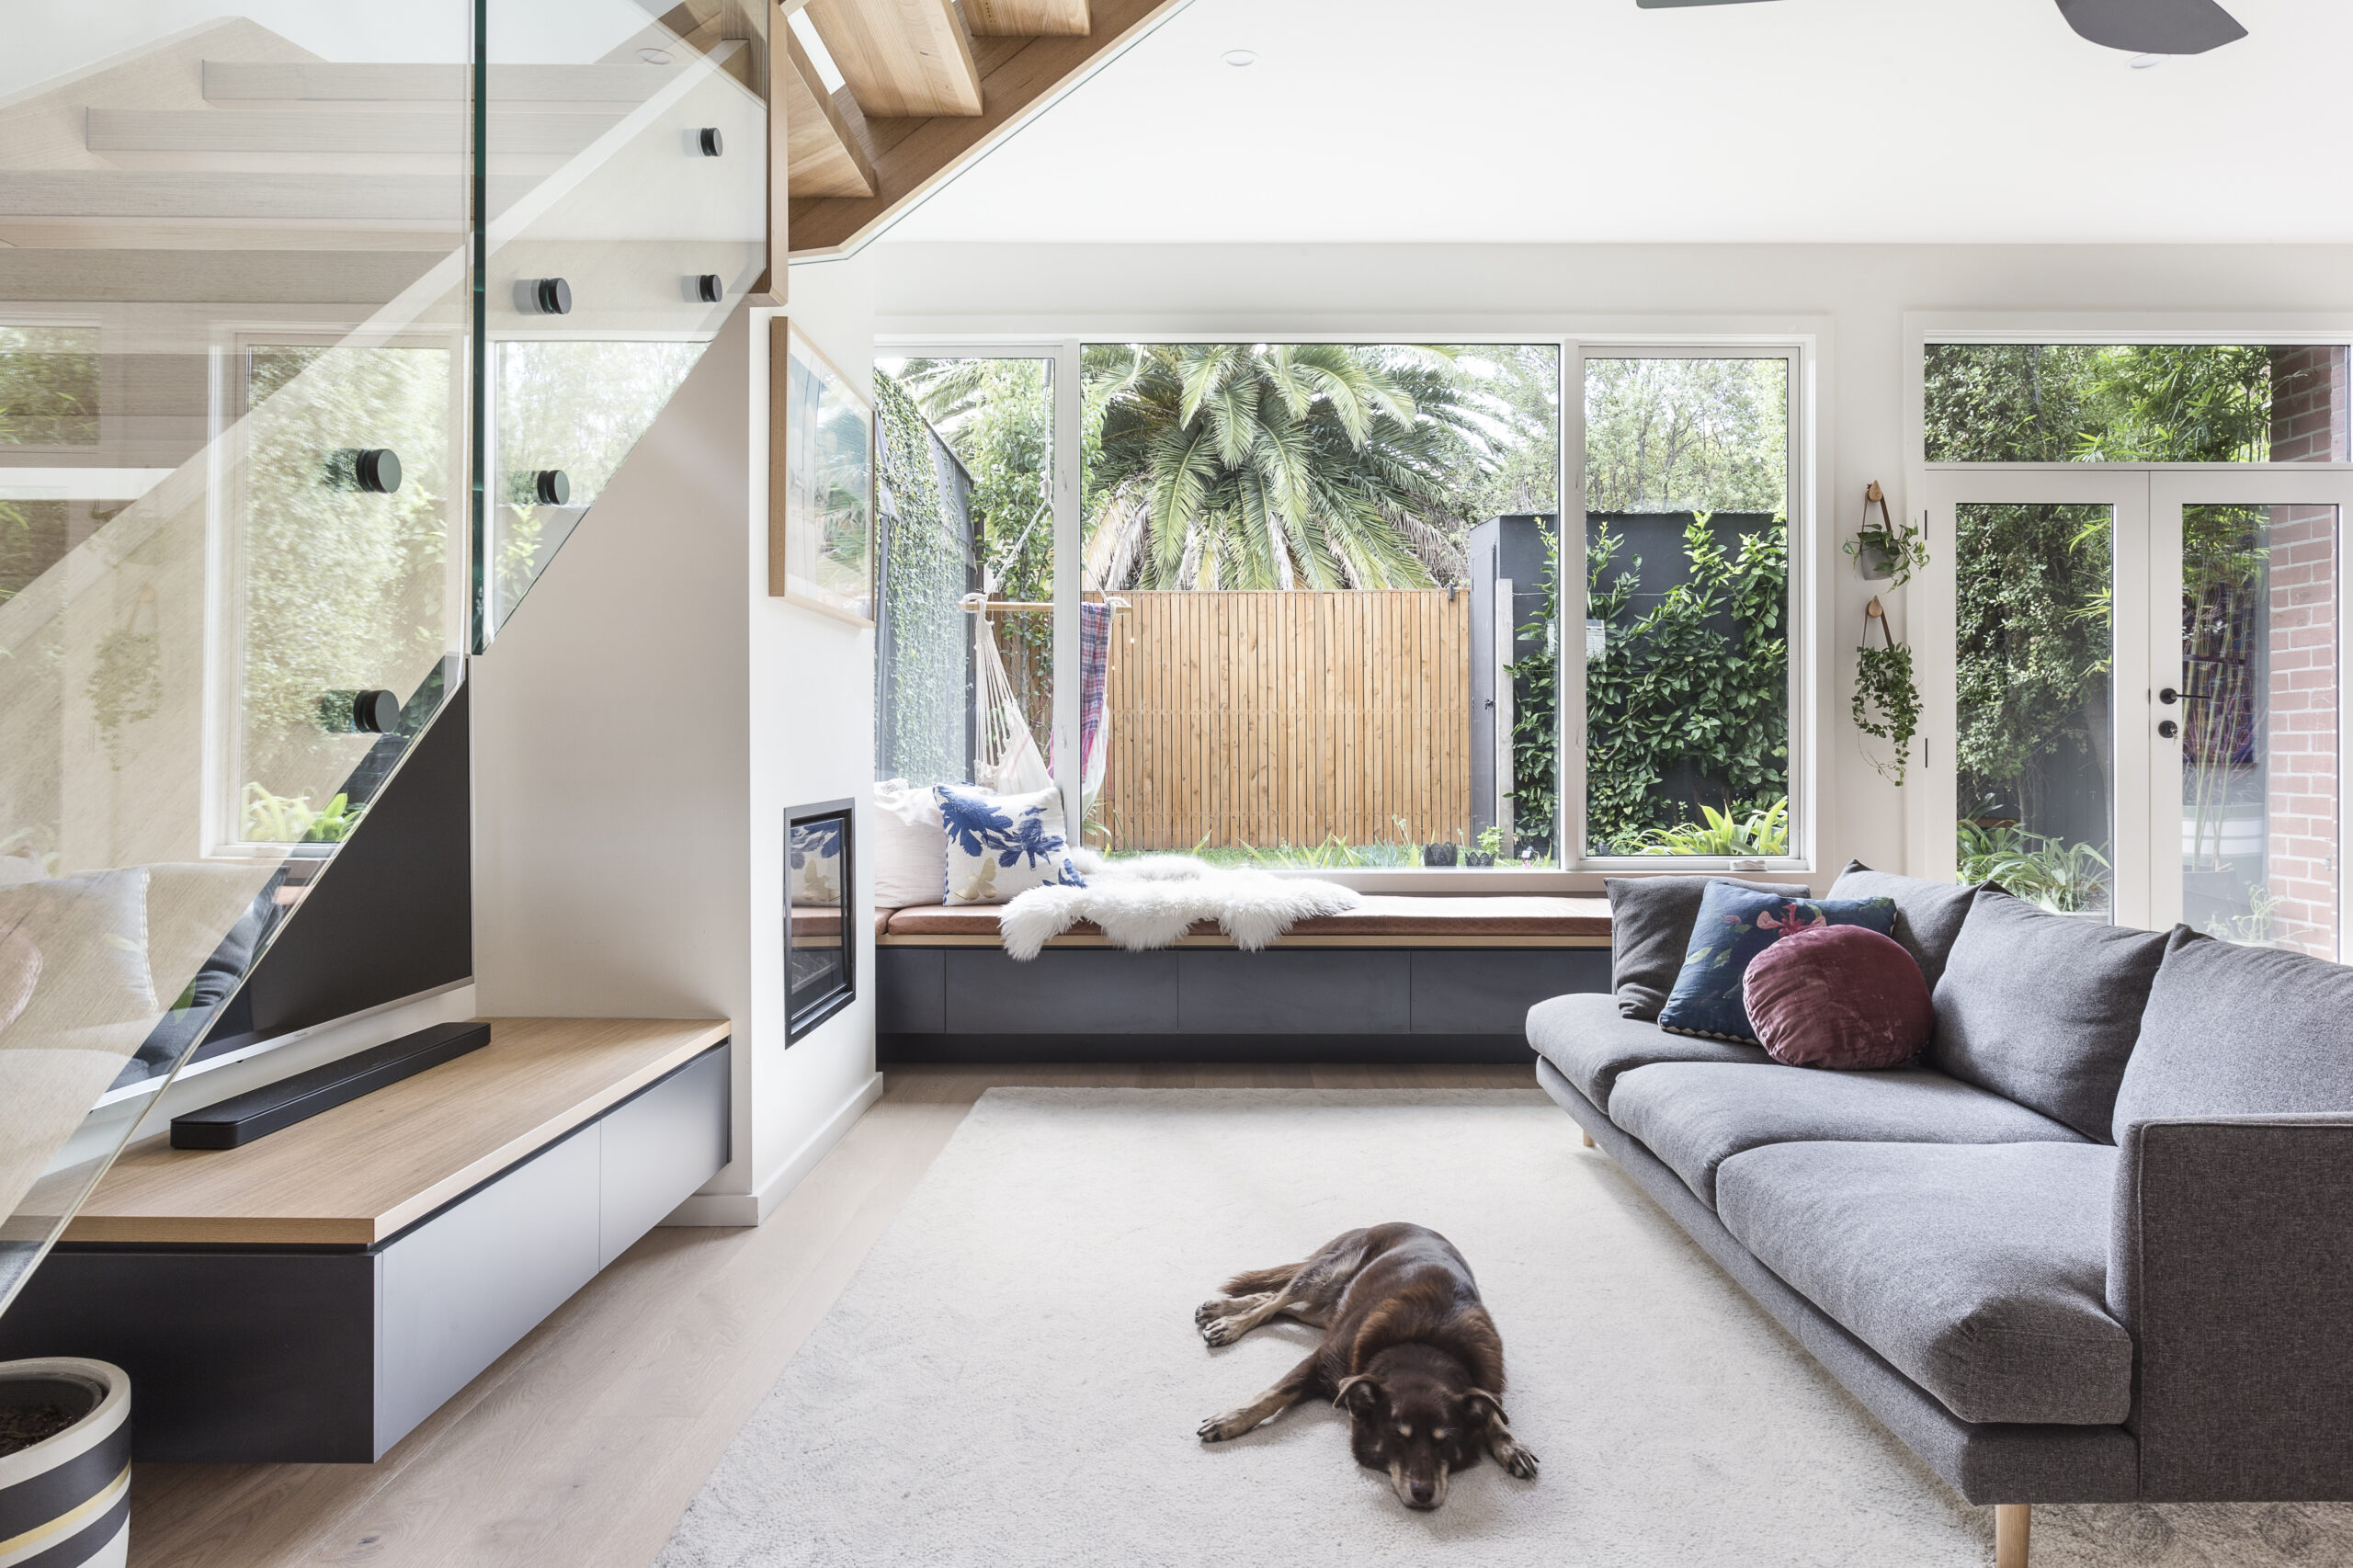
x: 606, y: 274
x: 235, y: 385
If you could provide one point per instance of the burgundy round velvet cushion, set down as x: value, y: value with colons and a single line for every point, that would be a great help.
x: 1838, y: 996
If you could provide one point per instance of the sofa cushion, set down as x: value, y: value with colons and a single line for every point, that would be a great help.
x: 1838, y: 996
x: 1695, y: 1116
x: 1978, y: 1272
x: 1649, y: 930
x: 1735, y: 925
x: 1586, y: 1037
x: 2043, y: 1007
x: 1927, y: 914
x: 2240, y: 1031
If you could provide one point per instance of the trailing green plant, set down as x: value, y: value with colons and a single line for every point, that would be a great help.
x: 1901, y: 546
x: 1887, y: 704
x: 289, y: 819
x: 1719, y: 834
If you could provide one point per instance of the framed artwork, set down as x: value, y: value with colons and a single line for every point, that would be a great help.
x: 821, y: 482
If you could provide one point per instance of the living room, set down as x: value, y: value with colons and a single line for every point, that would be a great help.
x: 713, y: 789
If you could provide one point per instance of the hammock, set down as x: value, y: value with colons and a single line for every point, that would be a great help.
x: 1007, y: 758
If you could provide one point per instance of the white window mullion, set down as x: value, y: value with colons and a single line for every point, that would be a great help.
x: 1069, y: 566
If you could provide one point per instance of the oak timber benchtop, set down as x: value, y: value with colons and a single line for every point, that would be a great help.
x: 360, y: 1173
x: 1396, y: 920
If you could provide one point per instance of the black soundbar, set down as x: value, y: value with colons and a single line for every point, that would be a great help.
x: 245, y: 1118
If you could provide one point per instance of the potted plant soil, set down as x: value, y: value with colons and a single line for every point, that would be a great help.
x: 65, y: 1461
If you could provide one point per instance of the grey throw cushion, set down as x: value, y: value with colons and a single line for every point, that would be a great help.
x: 1650, y: 932
x: 1695, y: 1116
x: 1591, y: 1042
x: 2043, y: 1007
x: 1978, y: 1272
x: 2240, y: 1031
x: 1927, y: 914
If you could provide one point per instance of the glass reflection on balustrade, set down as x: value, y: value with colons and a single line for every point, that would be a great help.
x: 234, y: 327
x: 244, y: 376
x: 609, y: 269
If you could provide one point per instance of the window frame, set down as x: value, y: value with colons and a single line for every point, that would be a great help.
x: 229, y: 375
x: 1799, y: 341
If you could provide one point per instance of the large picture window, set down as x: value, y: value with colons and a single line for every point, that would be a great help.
x: 1687, y: 625
x: 1313, y: 604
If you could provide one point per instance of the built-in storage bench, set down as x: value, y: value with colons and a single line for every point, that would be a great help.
x: 314, y: 1295
x: 1397, y: 979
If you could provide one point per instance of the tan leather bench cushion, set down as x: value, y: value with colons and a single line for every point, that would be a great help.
x: 1390, y: 915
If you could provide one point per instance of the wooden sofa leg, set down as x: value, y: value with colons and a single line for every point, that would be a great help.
x: 2011, y: 1522
x: 1587, y: 1137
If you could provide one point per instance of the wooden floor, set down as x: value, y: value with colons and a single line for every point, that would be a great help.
x: 584, y: 1443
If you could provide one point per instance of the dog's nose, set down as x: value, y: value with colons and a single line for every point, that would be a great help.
x: 1424, y: 1495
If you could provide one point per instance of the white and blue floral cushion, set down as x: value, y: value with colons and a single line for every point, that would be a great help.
x: 1002, y: 844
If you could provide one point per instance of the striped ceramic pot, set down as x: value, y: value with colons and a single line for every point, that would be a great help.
x: 65, y: 1501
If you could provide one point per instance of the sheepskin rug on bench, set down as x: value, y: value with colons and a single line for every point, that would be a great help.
x: 1153, y: 901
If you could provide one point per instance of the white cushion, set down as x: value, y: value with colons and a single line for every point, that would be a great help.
x: 1002, y: 844
x: 909, y: 847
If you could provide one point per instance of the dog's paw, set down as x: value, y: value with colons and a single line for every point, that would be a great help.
x: 1516, y: 1460
x: 1220, y: 1331
x: 1218, y: 1429
x: 1214, y: 1308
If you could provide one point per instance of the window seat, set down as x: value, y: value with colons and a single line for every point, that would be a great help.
x: 1429, y: 920
x: 1429, y: 978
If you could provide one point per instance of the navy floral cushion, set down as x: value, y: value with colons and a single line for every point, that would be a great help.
x: 1002, y: 844
x: 1736, y: 924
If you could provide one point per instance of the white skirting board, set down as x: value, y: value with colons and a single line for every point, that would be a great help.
x: 754, y: 1208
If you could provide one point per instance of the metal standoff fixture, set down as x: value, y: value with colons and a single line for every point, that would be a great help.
x: 541, y: 487
x: 543, y: 296
x: 373, y: 469
x: 709, y: 288
x: 710, y: 141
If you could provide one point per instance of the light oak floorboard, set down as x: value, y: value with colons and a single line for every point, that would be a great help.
x: 584, y: 1443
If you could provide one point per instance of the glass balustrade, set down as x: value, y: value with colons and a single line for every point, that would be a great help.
x: 317, y: 337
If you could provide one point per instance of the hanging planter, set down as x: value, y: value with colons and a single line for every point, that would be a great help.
x: 1887, y: 701
x: 1886, y: 552
x: 65, y: 1461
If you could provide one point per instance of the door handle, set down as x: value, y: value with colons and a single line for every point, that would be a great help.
x: 2168, y: 695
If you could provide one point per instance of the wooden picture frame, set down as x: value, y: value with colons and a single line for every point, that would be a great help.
x: 821, y: 482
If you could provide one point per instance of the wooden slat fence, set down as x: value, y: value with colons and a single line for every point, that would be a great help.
x: 1266, y: 719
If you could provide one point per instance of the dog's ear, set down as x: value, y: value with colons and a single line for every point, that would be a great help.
x: 1483, y: 1407
x: 1358, y: 1392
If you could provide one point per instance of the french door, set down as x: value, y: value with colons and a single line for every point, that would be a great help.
x: 2129, y: 684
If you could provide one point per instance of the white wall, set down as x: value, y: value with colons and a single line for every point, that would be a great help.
x: 813, y: 738
x: 640, y: 724
x: 1851, y: 298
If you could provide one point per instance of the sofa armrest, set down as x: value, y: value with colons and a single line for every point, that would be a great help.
x: 2232, y: 1265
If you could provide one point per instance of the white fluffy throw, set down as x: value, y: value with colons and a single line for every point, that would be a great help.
x: 1153, y: 901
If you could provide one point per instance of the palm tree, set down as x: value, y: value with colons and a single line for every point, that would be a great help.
x: 1278, y: 466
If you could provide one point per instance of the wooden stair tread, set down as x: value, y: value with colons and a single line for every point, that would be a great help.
x: 358, y: 1174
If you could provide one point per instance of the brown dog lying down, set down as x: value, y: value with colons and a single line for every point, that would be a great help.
x: 1407, y: 1348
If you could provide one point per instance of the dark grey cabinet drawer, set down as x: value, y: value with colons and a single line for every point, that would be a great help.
x: 1468, y: 990
x: 1306, y: 990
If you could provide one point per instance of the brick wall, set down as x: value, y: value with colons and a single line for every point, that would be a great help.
x: 2308, y: 424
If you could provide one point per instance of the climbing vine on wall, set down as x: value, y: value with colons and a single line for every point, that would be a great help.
x: 927, y: 567
x: 1695, y: 688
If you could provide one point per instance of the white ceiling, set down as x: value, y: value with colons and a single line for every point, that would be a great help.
x: 1588, y: 120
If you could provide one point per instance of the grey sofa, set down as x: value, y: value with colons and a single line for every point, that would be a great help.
x: 2095, y: 1244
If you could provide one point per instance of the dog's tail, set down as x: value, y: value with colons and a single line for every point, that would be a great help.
x: 1259, y: 1279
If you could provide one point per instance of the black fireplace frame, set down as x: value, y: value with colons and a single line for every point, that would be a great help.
x: 802, y: 1020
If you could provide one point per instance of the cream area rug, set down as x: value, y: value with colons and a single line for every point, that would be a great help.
x: 1014, y: 1379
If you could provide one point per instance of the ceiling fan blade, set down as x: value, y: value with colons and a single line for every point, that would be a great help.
x: 2153, y: 27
